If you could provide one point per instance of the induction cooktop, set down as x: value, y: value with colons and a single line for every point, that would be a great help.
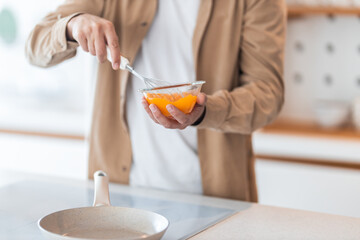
x: 23, y: 203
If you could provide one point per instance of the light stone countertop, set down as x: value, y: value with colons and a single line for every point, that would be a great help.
x: 265, y: 222
x: 252, y: 221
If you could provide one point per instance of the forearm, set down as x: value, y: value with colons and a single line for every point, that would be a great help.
x: 47, y: 44
x: 242, y: 110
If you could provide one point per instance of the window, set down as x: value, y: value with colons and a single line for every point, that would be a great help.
x: 53, y: 100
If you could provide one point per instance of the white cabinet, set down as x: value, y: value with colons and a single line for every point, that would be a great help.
x: 309, y: 187
x: 43, y: 155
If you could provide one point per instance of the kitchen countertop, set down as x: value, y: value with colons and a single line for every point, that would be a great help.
x: 251, y: 221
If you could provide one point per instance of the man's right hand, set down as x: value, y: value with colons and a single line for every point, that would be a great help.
x: 93, y: 34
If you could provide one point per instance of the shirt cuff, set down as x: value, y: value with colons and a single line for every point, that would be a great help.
x: 216, y: 111
x: 58, y: 34
x: 201, y: 118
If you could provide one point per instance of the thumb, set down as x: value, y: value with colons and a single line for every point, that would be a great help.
x: 201, y: 99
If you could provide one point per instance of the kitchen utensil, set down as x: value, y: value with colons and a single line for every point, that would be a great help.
x: 149, y: 82
x: 183, y: 96
x: 103, y: 221
x: 331, y: 113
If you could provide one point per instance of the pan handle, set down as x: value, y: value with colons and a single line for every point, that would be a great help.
x: 101, y: 196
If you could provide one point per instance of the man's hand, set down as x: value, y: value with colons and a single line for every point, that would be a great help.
x: 182, y: 120
x: 93, y: 34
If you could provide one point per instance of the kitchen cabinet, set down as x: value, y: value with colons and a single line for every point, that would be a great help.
x: 309, y: 187
x: 308, y: 170
x: 44, y: 155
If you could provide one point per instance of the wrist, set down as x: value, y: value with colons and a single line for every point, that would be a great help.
x: 69, y: 28
x: 200, y: 119
x: 69, y: 35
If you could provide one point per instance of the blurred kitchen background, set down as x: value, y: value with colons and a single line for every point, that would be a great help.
x: 308, y: 159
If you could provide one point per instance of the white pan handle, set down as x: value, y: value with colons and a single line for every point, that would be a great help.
x: 101, y: 196
x: 123, y: 60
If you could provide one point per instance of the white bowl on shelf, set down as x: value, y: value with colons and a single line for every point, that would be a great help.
x: 331, y: 113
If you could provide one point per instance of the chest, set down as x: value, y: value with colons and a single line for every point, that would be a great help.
x: 216, y: 42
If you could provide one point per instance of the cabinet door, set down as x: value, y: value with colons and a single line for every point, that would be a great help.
x: 43, y: 155
x: 309, y: 187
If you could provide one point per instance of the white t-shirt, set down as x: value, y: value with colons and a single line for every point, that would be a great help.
x: 164, y: 158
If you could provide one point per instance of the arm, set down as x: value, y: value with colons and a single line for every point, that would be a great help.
x: 47, y: 44
x: 258, y: 101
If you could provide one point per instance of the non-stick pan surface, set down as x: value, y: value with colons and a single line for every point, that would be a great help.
x: 103, y: 221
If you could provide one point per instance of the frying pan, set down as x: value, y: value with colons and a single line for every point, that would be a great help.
x: 103, y: 221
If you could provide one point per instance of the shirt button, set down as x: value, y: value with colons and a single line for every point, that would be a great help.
x: 144, y: 24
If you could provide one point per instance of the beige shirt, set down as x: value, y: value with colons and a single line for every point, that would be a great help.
x: 238, y: 48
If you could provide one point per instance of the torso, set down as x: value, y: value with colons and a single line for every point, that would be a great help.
x: 164, y: 158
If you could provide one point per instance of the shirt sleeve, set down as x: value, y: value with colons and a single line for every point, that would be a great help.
x: 260, y: 97
x: 47, y: 44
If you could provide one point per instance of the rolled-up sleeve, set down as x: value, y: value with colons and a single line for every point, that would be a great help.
x: 260, y: 97
x: 47, y: 44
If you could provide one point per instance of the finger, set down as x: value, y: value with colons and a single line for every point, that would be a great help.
x: 196, y: 113
x: 81, y: 39
x: 91, y: 47
x: 179, y: 116
x: 113, y: 43
x: 167, y: 123
x: 100, y: 47
x: 201, y: 99
x: 198, y: 110
x: 148, y: 111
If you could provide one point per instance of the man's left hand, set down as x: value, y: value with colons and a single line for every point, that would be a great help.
x: 181, y: 120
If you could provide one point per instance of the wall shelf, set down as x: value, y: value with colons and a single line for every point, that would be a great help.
x: 297, y: 11
x: 316, y: 136
x: 311, y: 130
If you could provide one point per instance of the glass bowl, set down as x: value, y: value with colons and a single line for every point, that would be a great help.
x: 183, y: 96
